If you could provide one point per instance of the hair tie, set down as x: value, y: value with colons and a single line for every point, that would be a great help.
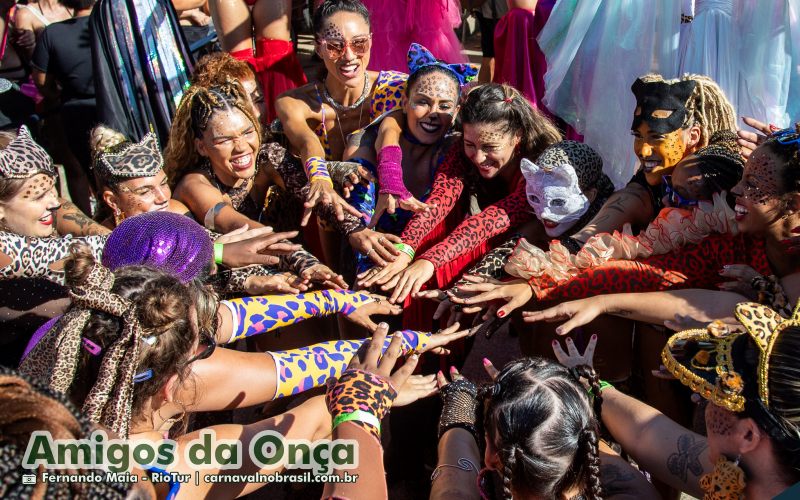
x: 508, y: 100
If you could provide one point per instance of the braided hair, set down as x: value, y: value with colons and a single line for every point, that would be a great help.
x: 197, y: 107
x: 707, y: 107
x: 789, y: 156
x: 720, y: 163
x: 541, y: 421
x: 503, y: 105
x: 26, y: 406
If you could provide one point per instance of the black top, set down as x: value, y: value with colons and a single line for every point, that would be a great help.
x: 654, y: 191
x: 64, y: 49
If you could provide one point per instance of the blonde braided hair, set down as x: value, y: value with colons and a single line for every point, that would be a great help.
x: 707, y: 107
x: 191, y: 120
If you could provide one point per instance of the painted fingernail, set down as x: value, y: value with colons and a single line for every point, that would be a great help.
x: 559, y: 331
x: 594, y: 337
x: 796, y: 230
x: 415, y: 356
x: 439, y: 373
x: 486, y: 362
x: 453, y: 369
x: 383, y: 325
x: 500, y: 314
x: 554, y: 342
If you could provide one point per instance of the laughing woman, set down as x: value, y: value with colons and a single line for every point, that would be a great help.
x: 500, y: 129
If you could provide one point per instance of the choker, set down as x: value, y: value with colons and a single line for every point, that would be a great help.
x: 413, y: 140
x: 341, y: 108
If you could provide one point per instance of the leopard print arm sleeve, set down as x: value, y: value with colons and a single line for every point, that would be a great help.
x: 447, y: 187
x: 238, y: 278
x: 695, y: 266
x: 491, y: 265
x: 493, y: 220
x: 298, y: 262
x: 32, y: 257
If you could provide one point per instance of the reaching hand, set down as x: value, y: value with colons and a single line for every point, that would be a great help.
x: 324, y: 276
x: 574, y: 358
x: 377, y: 246
x: 379, y: 306
x: 749, y: 141
x: 411, y: 280
x: 323, y: 192
x: 576, y: 313
x: 387, y: 275
x: 276, y: 283
x: 243, y: 247
x: 415, y: 388
x: 388, y: 203
x: 515, y: 293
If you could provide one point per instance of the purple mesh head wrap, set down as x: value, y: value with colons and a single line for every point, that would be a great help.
x: 170, y: 242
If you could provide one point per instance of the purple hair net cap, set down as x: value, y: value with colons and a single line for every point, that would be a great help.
x: 170, y: 242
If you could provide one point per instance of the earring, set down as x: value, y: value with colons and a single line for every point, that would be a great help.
x: 726, y: 482
x: 118, y: 216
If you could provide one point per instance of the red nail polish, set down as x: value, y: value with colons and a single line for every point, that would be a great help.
x: 500, y: 314
x: 594, y: 337
x: 796, y: 230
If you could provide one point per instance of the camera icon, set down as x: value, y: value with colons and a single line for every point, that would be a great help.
x: 29, y: 479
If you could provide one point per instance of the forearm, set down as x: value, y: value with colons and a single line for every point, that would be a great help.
x: 451, y: 480
x: 304, y: 368
x: 71, y: 220
x: 371, y: 482
x: 298, y: 261
x: 630, y: 205
x: 672, y: 453
x: 491, y: 265
x: 256, y: 315
x: 658, y: 307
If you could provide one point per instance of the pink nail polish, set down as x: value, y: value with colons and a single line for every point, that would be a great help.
x: 594, y: 337
x: 486, y: 362
x: 440, y: 373
x: 452, y: 369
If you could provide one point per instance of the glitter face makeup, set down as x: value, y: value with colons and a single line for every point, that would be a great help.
x: 431, y: 107
x: 487, y: 148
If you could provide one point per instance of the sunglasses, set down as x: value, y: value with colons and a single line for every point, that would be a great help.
x: 207, y: 339
x: 675, y: 199
x: 336, y: 47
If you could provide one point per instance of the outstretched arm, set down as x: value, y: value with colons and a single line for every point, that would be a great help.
x: 672, y: 453
x: 630, y: 204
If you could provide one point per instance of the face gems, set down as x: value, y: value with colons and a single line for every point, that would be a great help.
x: 438, y: 86
x: 555, y: 195
x: 332, y: 31
x: 760, y: 180
x: 37, y: 186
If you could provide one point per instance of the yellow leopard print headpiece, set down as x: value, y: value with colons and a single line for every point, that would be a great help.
x: 707, y: 360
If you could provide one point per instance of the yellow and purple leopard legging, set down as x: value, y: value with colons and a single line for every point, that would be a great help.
x: 255, y: 315
x: 308, y: 367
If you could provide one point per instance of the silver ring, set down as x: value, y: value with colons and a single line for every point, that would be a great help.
x: 381, y: 239
x: 370, y: 251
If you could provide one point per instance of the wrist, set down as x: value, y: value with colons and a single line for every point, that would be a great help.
x: 317, y: 170
x: 406, y: 249
x: 219, y: 253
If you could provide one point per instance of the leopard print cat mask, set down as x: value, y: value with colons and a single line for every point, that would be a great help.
x: 23, y: 158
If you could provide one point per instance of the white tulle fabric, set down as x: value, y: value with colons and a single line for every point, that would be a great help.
x: 769, y: 80
x: 595, y: 50
x: 712, y: 47
x: 672, y: 229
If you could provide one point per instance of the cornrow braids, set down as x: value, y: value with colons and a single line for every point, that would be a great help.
x: 591, y: 450
x: 27, y: 405
x: 720, y: 163
x: 707, y: 107
x: 537, y: 415
x: 197, y: 107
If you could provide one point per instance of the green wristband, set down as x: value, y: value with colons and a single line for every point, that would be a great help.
x: 218, y: 253
x: 406, y: 249
x: 604, y: 385
x: 359, y: 416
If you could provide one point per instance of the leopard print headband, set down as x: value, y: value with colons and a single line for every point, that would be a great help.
x: 23, y: 158
x: 54, y: 360
x: 140, y: 159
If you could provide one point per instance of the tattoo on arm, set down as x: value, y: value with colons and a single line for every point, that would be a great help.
x: 687, y: 458
x: 614, y: 479
x: 84, y: 225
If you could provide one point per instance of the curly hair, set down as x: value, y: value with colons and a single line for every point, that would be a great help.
x: 215, y: 69
x: 27, y: 405
x: 707, y: 107
x: 197, y: 107
x: 503, y: 105
x: 163, y: 306
x: 543, y: 425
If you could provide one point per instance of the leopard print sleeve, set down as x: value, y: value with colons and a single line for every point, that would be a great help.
x: 237, y: 281
x: 491, y: 265
x: 298, y: 262
x: 447, y: 187
x: 493, y: 220
x: 693, y: 266
x: 32, y: 257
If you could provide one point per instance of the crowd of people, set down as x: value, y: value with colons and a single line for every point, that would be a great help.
x: 235, y: 232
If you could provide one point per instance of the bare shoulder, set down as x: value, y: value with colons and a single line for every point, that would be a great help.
x: 177, y: 207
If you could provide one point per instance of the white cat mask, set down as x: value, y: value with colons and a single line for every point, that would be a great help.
x: 555, y: 196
